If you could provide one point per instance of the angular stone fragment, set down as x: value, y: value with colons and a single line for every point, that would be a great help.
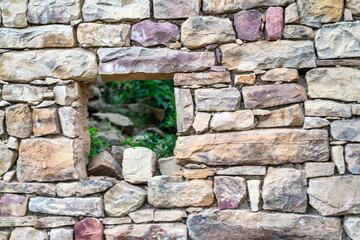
x: 256, y: 147
x: 176, y: 231
x: 337, y: 156
x: 104, y: 164
x: 291, y: 14
x: 69, y: 120
x: 24, y: 93
x: 66, y: 94
x: 355, y: 109
x: 274, y: 23
x: 149, y: 33
x: 7, y: 159
x: 315, y: 122
x: 28, y: 233
x: 247, y: 25
x: 89, y: 228
x: 92, y: 207
x: 123, y: 198
x: 230, y: 192
x: 298, y: 32
x: 185, y: 109
x: 197, y: 32
x: 201, y: 122
x: 254, y: 194
x: 273, y: 95
x: 169, y: 9
x: 48, y: 11
x: 352, y: 158
x: 319, y: 169
x: 169, y: 192
x: 248, y: 79
x: 17, y: 221
x: 240, y: 225
x: 18, y: 121
x: 202, y: 78
x: 354, y: 6
x: 36, y: 153
x: 55, y: 222
x: 351, y: 226
x: 116, y: 11
x: 333, y: 79
x: 346, y: 130
x: 37, y: 37
x: 14, y: 13
x: 333, y: 196
x: 103, y: 35
x: 217, y: 100
x: 45, y: 121
x: 138, y: 165
x: 76, y: 64
x: 292, y: 116
x: 13, y: 205
x: 169, y: 216
x: 320, y: 11
x: 137, y: 63
x: 61, y: 233
x: 243, y: 170
x: 42, y: 189
x: 279, y: 54
x: 324, y: 108
x: 81, y: 189
x: 9, y: 176
x: 142, y: 216
x: 228, y: 121
x: 168, y: 166
x: 281, y: 74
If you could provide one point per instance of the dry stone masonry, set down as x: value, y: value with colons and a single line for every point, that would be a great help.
x: 268, y: 116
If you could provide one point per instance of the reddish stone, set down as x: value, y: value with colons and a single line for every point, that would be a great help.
x: 274, y: 23
x: 247, y: 25
x: 89, y: 229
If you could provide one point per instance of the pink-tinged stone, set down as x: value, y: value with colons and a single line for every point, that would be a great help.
x: 13, y: 205
x: 247, y: 25
x: 149, y: 33
x: 89, y: 229
x: 229, y: 191
x: 274, y: 23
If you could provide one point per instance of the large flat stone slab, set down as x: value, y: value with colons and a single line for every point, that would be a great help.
x: 137, y: 63
x: 76, y: 64
x: 242, y: 225
x: 279, y: 54
x: 334, y: 83
x: 256, y: 147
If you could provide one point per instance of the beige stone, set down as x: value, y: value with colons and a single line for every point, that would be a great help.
x: 69, y: 120
x: 248, y: 79
x: 13, y: 205
x: 45, y: 121
x: 253, y: 187
x: 142, y: 216
x: 40, y: 189
x: 352, y: 158
x: 291, y: 14
x: 9, y: 176
x: 298, y: 32
x: 218, y: 100
x: 7, y: 159
x: 55, y: 222
x: 169, y: 192
x: 228, y: 121
x: 243, y: 170
x: 355, y: 109
x: 351, y: 227
x: 313, y: 169
x: 292, y: 116
x: 337, y: 156
x: 255, y: 147
x: 354, y: 6
x: 116, y: 221
x: 281, y: 74
x: 197, y: 173
x: 14, y: 13
x: 197, y: 32
x: 37, y: 37
x: 325, y: 108
x: 4, y: 235
x: 185, y: 109
x: 169, y: 216
x: 103, y: 35
x: 66, y: 94
x: 81, y: 189
x: 169, y: 9
x: 18, y: 121
x: 28, y: 233
x: 104, y: 164
x: 201, y: 122
x: 13, y: 143
x: 76, y: 64
x: 201, y: 78
x: 138, y: 165
x: 278, y: 54
x: 315, y: 122
x: 24, y: 93
x: 18, y: 221
x: 320, y: 11
x: 36, y: 153
x: 168, y: 166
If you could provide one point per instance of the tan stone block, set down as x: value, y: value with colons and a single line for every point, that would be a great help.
x: 292, y: 116
x: 319, y: 169
x: 45, y: 121
x: 201, y: 79
x: 14, y: 13
x: 248, y: 79
x: 320, y: 11
x: 18, y: 121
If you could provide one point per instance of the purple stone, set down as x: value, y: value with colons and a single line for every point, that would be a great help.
x: 274, y: 23
x: 149, y: 33
x: 247, y: 25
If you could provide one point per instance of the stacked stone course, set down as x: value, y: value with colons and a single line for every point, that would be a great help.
x: 268, y: 106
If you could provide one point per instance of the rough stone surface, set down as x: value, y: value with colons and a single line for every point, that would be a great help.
x: 298, y: 32
x: 346, y: 130
x: 120, y: 121
x: 45, y: 121
x: 197, y: 32
x: 42, y: 189
x: 243, y: 170
x: 81, y: 189
x: 337, y: 156
x: 235, y: 224
x: 256, y: 147
x: 169, y: 216
x: 230, y: 192
x: 291, y: 14
x: 279, y: 54
x: 49, y: 11
x: 13, y: 205
x: 75, y: 64
x: 69, y: 120
x: 38, y: 152
x: 18, y: 221
x: 274, y: 23
x: 201, y: 122
x: 324, y: 108
x: 103, y: 35
x: 273, y: 95
x: 55, y: 222
x: 116, y: 11
x: 333, y: 79
x: 24, y: 93
x: 137, y: 63
x: 319, y: 169
x: 332, y: 196
x: 149, y: 33
x: 355, y: 109
x: 248, y: 79
x: 202, y: 78
x: 104, y: 164
x: 89, y: 228
x: 142, y: 216
x: 123, y: 198
x: 116, y: 221
x: 4, y: 235
x: 254, y: 194
x: 227, y: 121
x: 176, y: 231
x: 320, y: 11
x: 92, y: 207
x: 315, y: 122
x: 138, y: 165
x: 66, y: 94
x: 7, y: 159
x: 185, y: 109
x: 14, y: 13
x: 352, y: 158
x: 292, y: 116
x: 61, y: 233
x: 28, y: 233
x: 329, y: 38
x: 18, y: 121
x: 351, y: 226
x: 218, y: 100
x: 354, y: 6
x: 169, y: 9
x: 281, y: 74
x: 168, y: 166
x: 168, y: 192
x: 247, y: 25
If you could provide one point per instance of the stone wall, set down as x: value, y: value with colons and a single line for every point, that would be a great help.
x: 268, y: 104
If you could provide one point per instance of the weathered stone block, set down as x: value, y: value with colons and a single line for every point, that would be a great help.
x: 42, y: 189
x: 104, y: 164
x: 137, y: 63
x: 202, y: 78
x: 81, y: 189
x: 2, y: 117
x: 315, y: 122
x: 247, y: 25
x: 142, y: 216
x: 7, y: 159
x: 61, y: 233
x: 352, y: 158
x: 324, y: 108
x: 169, y: 216
x: 320, y: 11
x: 346, y: 130
x: 185, y: 109
x: 313, y: 169
x: 66, y: 94
x: 89, y: 228
x: 169, y: 9
x: 254, y: 194
x: 281, y: 75
x: 28, y: 233
x: 45, y: 121
x: 168, y: 166
x: 69, y: 120
x: 274, y: 23
x: 24, y: 93
x: 230, y: 192
x: 17, y: 221
x: 256, y: 147
x: 298, y: 32
x: 14, y: 13
x: 337, y: 156
x: 292, y: 116
x: 55, y: 222
x: 248, y: 79
x: 243, y: 170
x: 217, y: 100
x: 18, y: 121
x: 13, y: 205
x: 354, y: 6
x: 291, y: 14
x: 290, y: 54
x: 351, y: 226
x: 238, y: 120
